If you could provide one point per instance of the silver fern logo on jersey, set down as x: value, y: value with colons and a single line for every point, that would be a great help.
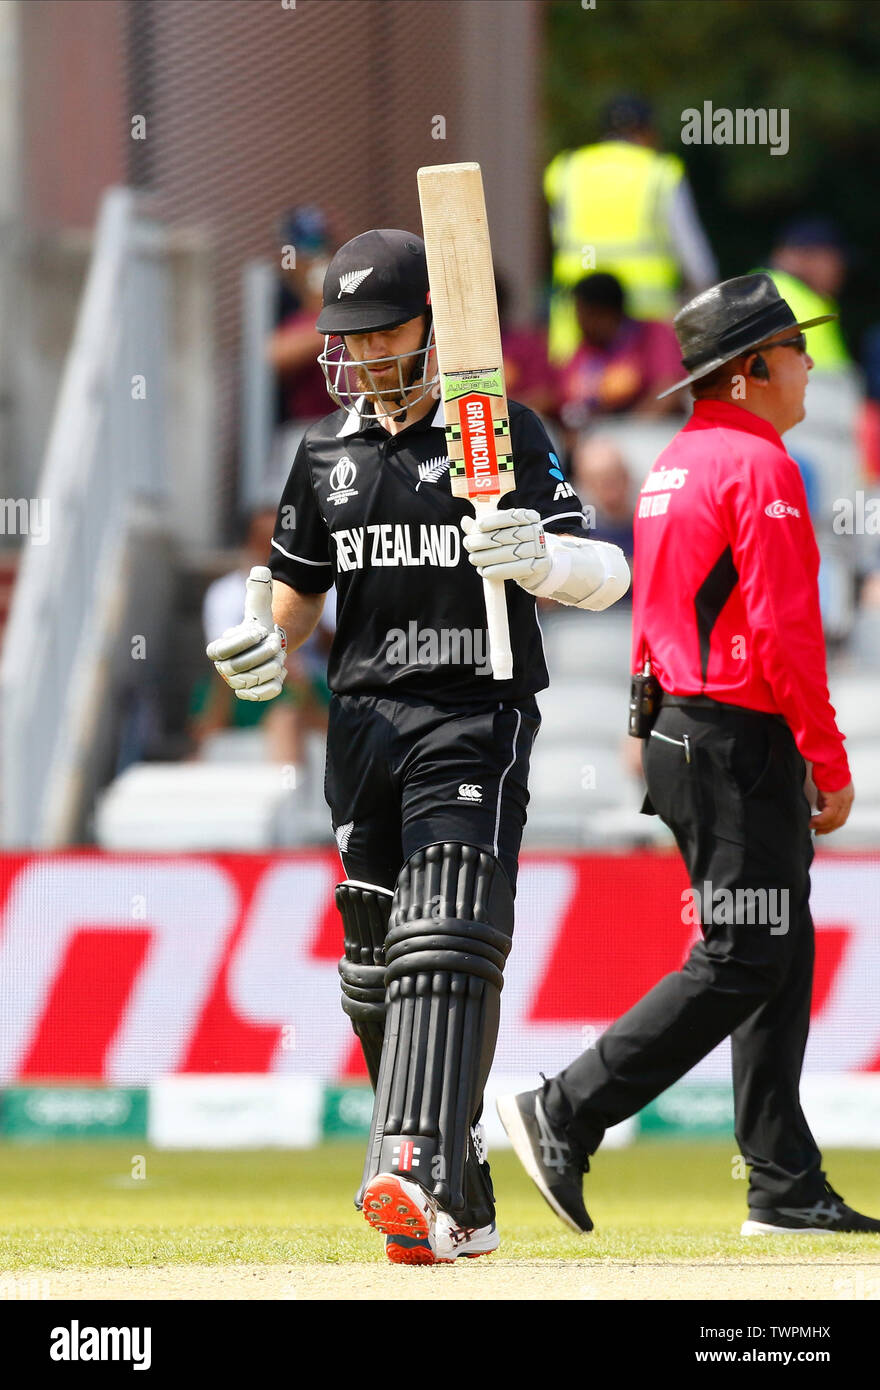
x: 349, y: 282
x: 432, y: 470
x: 342, y: 475
x: 343, y: 835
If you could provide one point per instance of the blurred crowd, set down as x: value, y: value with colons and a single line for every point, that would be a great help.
x: 627, y: 248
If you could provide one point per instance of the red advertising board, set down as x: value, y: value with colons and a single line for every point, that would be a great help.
x: 126, y: 968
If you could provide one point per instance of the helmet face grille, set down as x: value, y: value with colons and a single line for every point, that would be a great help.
x: 352, y: 385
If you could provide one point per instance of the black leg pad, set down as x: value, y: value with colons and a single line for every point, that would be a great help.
x: 449, y: 936
x: 364, y: 910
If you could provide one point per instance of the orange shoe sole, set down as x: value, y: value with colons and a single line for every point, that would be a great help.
x: 388, y: 1207
x: 409, y: 1254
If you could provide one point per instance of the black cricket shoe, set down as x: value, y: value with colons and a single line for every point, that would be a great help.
x: 551, y: 1161
x: 828, y: 1216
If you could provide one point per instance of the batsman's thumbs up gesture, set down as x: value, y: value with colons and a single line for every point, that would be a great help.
x: 251, y: 658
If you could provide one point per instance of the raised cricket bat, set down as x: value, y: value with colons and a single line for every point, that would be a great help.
x: 468, y: 338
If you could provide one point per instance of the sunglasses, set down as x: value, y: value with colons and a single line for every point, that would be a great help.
x: 799, y: 341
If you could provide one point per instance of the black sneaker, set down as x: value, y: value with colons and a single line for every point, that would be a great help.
x: 828, y: 1216
x: 553, y: 1164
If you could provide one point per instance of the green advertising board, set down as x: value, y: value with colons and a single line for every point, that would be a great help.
x: 689, y: 1110
x: 348, y: 1111
x: 30, y: 1114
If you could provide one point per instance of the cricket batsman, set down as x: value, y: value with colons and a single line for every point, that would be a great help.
x: 427, y: 753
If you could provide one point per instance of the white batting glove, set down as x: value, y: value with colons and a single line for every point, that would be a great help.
x: 508, y: 543
x: 252, y: 658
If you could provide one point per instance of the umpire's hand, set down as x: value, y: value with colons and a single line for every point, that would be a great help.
x: 252, y: 658
x: 834, y: 808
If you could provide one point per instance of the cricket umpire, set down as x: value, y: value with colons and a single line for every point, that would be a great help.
x: 726, y: 622
x: 427, y: 754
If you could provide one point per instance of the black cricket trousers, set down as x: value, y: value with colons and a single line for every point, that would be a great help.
x: 729, y: 783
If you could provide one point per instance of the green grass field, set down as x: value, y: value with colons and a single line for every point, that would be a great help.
x: 78, y: 1205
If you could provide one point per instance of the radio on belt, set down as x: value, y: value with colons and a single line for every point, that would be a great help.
x: 645, y: 696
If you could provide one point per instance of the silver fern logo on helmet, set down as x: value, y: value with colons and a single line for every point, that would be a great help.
x: 349, y: 282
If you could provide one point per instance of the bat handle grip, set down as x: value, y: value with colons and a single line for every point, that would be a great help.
x: 499, y: 631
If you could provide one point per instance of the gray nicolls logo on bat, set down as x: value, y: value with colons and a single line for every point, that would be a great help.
x: 349, y: 282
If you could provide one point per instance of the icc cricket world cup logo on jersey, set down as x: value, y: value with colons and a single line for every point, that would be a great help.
x: 342, y: 475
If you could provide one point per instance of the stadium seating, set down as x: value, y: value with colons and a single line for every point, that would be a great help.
x: 231, y: 804
x: 585, y: 786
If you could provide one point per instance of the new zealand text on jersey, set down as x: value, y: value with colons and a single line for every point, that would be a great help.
x: 394, y: 543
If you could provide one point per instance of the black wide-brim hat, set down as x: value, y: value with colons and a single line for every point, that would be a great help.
x: 729, y: 319
x: 377, y: 280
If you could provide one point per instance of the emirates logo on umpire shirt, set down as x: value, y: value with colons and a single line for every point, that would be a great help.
x: 780, y: 508
x: 342, y: 475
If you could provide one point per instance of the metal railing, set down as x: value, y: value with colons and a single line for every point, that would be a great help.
x: 258, y: 289
x: 105, y: 457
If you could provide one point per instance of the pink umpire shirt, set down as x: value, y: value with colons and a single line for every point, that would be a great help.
x: 725, y: 588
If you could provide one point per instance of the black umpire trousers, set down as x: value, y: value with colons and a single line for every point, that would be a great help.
x: 729, y: 783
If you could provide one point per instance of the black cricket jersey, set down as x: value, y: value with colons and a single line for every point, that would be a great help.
x: 373, y: 512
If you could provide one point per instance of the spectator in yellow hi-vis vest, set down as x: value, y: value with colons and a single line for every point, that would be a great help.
x: 623, y: 207
x: 808, y: 266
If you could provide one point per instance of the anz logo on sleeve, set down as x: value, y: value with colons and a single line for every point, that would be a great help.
x: 563, y: 489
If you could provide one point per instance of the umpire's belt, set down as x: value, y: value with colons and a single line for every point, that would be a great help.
x: 684, y: 701
x: 706, y: 702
